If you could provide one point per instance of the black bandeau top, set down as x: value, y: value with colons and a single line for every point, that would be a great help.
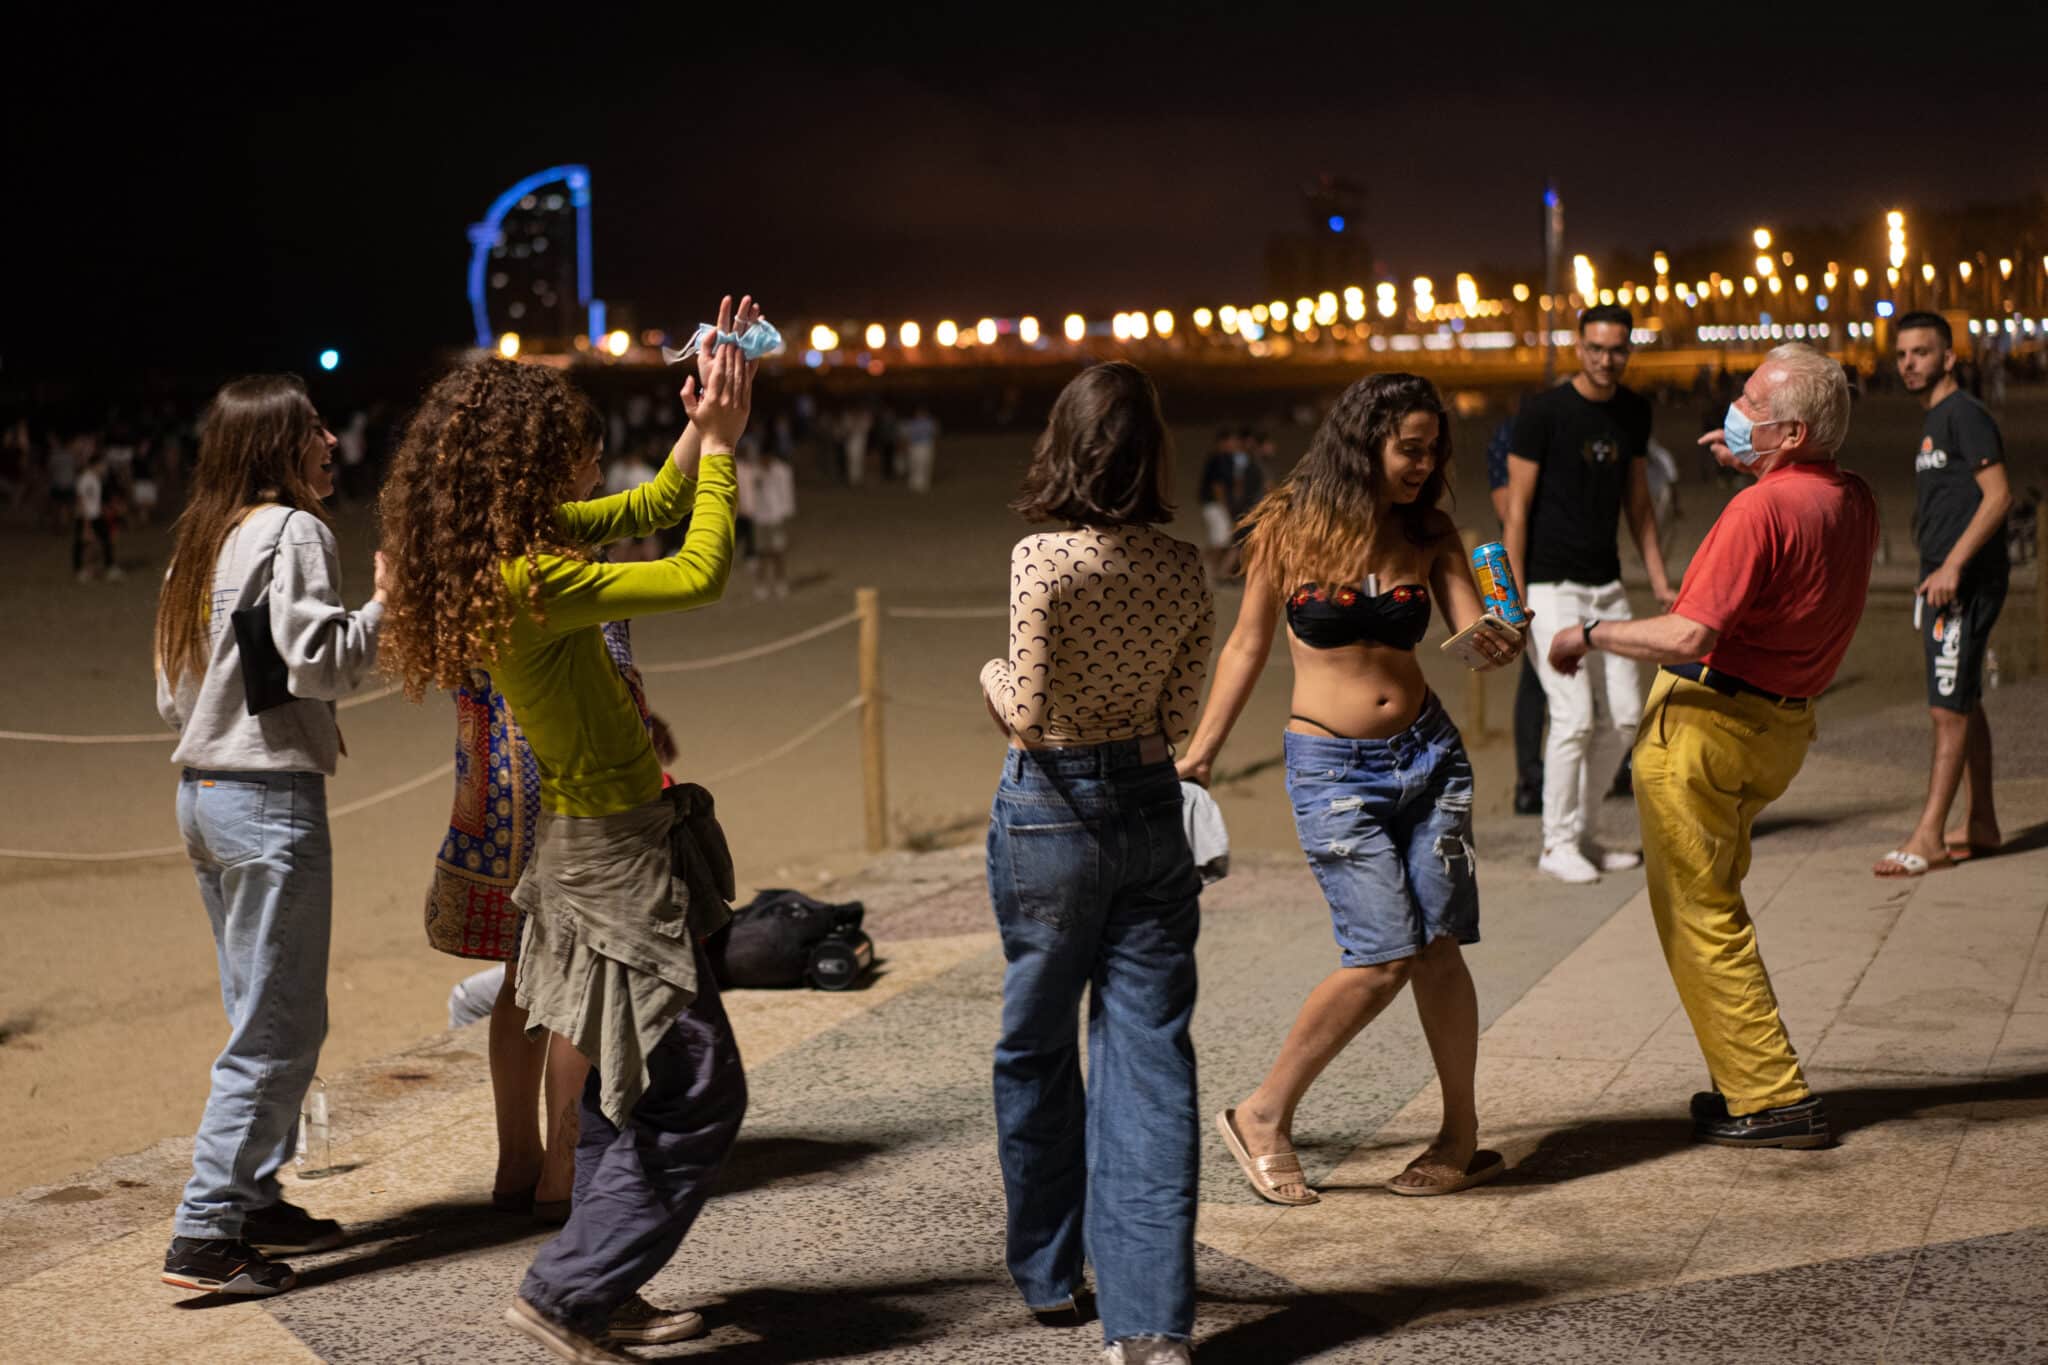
x: 1329, y: 618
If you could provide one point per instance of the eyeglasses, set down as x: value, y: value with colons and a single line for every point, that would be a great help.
x: 1594, y: 348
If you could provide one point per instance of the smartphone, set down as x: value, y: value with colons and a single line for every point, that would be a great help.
x: 1464, y: 646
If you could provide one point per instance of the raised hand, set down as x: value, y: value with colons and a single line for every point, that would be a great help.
x: 719, y: 412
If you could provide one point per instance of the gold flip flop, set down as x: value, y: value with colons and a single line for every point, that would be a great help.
x: 1266, y: 1173
x: 1483, y: 1167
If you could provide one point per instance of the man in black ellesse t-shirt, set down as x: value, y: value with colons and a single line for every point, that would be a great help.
x: 1575, y: 462
x: 1960, y: 504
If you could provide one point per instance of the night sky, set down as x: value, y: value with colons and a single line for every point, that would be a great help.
x: 203, y: 193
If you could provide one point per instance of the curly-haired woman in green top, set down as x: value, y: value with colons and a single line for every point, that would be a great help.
x: 491, y: 566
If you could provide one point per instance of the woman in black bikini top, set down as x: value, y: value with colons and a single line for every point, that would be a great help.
x: 1383, y: 796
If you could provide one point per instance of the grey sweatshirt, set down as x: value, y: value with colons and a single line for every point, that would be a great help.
x: 328, y: 650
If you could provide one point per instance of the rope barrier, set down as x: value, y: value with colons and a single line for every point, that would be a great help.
x: 130, y: 855
x: 845, y: 708
x: 946, y: 708
x: 946, y: 613
x: 393, y: 689
x: 757, y: 651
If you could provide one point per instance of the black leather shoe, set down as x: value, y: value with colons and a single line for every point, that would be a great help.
x: 1528, y: 799
x: 1804, y: 1124
x: 1077, y: 1311
x: 1709, y: 1106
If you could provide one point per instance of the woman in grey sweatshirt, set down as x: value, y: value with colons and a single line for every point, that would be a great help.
x: 252, y: 805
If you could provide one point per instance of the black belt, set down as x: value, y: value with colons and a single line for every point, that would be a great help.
x: 1727, y: 684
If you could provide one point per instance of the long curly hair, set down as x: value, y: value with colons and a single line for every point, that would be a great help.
x: 1318, y: 526
x: 483, y: 464
x: 253, y: 444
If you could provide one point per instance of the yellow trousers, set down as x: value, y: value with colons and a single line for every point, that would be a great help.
x: 1705, y: 766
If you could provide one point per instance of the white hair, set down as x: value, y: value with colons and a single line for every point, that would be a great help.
x: 1812, y: 389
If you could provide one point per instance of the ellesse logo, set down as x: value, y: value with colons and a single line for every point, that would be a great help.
x: 1929, y: 457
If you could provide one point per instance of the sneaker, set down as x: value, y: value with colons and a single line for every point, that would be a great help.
x: 562, y: 1339
x: 1613, y: 859
x: 1567, y: 864
x: 284, y: 1228
x: 1146, y: 1351
x: 636, y: 1322
x: 225, y: 1265
x: 1804, y: 1124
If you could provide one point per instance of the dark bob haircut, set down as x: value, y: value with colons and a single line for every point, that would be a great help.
x: 1099, y: 461
x: 1606, y: 312
x: 1933, y: 321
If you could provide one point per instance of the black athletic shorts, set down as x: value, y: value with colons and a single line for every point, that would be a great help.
x: 1954, y: 638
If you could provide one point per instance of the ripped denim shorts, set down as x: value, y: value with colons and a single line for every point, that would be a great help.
x: 1387, y: 827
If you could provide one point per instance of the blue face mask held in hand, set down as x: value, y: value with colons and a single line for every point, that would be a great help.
x: 756, y: 340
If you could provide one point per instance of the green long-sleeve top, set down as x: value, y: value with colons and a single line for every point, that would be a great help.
x: 571, y: 703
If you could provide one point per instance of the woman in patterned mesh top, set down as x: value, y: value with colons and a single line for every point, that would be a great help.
x: 1091, y: 876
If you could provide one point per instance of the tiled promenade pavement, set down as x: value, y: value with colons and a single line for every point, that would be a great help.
x: 861, y: 1217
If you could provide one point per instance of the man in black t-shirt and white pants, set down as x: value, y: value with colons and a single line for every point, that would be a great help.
x: 1575, y: 463
x: 1961, y: 498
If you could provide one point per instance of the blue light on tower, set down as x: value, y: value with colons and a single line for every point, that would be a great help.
x: 1884, y: 308
x: 330, y: 358
x: 485, y: 235
x: 1336, y: 222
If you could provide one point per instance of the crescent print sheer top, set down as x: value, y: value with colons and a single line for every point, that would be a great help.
x: 1110, y: 634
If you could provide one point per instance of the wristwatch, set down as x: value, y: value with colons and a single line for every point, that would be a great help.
x: 1586, y: 630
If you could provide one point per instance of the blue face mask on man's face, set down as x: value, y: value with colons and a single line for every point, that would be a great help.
x: 1738, y: 433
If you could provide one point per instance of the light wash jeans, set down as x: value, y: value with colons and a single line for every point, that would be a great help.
x: 1593, y: 713
x: 259, y: 847
x: 1094, y: 887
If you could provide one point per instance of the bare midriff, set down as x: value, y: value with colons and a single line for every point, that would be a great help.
x: 1357, y: 691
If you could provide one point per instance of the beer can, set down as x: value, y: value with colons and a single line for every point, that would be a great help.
x: 1497, y: 591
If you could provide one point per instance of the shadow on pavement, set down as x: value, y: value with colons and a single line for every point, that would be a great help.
x: 429, y: 1232
x: 1614, y: 1144
x: 755, y: 1162
x: 1308, y: 1324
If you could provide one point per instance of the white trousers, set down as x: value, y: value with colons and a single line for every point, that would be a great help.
x: 923, y: 454
x: 1593, y: 713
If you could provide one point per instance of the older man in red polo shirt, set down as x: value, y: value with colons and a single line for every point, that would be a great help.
x: 1766, y: 613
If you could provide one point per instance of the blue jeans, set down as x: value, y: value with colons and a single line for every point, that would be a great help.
x: 1387, y: 827
x: 1094, y: 886
x: 259, y: 847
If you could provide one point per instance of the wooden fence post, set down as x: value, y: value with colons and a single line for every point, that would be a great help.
x: 868, y: 602
x: 1475, y: 683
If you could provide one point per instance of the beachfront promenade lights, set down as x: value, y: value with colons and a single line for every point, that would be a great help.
x: 876, y: 335
x: 1927, y: 272
x: 617, y: 343
x: 1140, y: 329
x: 1203, y: 317
x: 1963, y: 268
x: 823, y: 338
x: 909, y: 334
x: 946, y: 333
x: 1765, y: 266
x: 2005, y: 267
x: 1582, y: 276
x: 1521, y: 293
x: 508, y: 345
x: 1075, y: 327
x: 1662, y: 263
x: 1860, y: 276
x: 1162, y: 323
x: 1762, y: 238
x: 1027, y: 330
x: 1226, y: 317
